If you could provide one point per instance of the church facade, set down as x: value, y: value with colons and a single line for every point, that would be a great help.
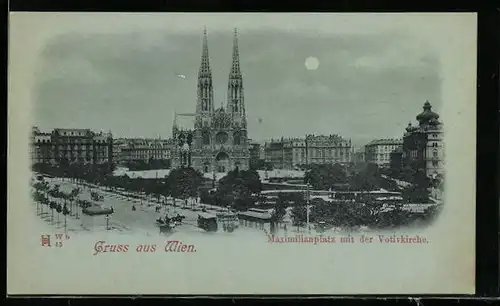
x: 218, y: 142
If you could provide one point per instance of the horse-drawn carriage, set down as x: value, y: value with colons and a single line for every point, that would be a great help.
x: 167, y: 224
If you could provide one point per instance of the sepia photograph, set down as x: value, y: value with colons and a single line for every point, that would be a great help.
x: 278, y: 153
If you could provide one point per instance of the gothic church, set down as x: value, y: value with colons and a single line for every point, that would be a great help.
x: 218, y: 142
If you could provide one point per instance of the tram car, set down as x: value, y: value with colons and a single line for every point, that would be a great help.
x: 207, y: 222
x: 229, y: 220
x: 224, y: 221
x: 93, y: 209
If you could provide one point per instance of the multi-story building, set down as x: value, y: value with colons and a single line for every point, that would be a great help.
x: 40, y: 147
x: 145, y: 150
x: 274, y: 154
x: 396, y: 159
x: 255, y: 149
x: 257, y: 155
x: 359, y: 156
x: 218, y: 142
x: 102, y: 144
x: 118, y: 144
x: 423, y: 145
x: 293, y: 153
x: 379, y: 151
x: 68, y: 146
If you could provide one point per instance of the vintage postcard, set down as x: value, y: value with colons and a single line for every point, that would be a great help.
x: 208, y: 154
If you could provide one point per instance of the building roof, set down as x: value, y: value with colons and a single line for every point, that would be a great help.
x: 206, y: 215
x: 254, y: 214
x: 385, y: 141
x: 311, y: 139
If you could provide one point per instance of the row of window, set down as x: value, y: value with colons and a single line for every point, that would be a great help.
x: 74, y: 134
x: 323, y: 153
x: 382, y: 148
x: 66, y: 152
x: 222, y: 138
x: 379, y: 156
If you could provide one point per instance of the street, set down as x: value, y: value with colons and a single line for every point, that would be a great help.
x: 124, y: 219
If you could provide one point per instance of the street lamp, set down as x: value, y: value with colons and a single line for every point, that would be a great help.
x: 77, y: 206
x: 307, y: 207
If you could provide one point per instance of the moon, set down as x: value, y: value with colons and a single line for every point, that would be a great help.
x: 312, y: 63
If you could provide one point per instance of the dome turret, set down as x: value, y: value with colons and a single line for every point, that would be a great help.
x: 427, y: 115
x: 409, y: 127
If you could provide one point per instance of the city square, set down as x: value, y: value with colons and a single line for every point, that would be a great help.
x: 210, y: 176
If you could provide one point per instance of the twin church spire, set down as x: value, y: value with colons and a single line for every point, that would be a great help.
x: 235, y: 97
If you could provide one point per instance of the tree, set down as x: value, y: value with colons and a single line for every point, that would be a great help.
x: 257, y: 164
x: 361, y: 182
x: 343, y: 214
x: 59, y: 210
x: 45, y: 201
x: 55, y: 191
x: 52, y: 205
x: 324, y: 176
x: 237, y: 189
x: 418, y: 192
x: 74, y: 198
x: 320, y: 210
x: 367, y: 212
x: 38, y: 197
x: 158, y: 188
x: 368, y: 178
x: 389, y: 184
x: 65, y: 212
x: 206, y: 197
x: 279, y: 212
x: 184, y: 182
x: 394, y: 217
x: 299, y: 215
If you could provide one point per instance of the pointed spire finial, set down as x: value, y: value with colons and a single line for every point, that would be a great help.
x: 205, y: 60
x: 235, y: 66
